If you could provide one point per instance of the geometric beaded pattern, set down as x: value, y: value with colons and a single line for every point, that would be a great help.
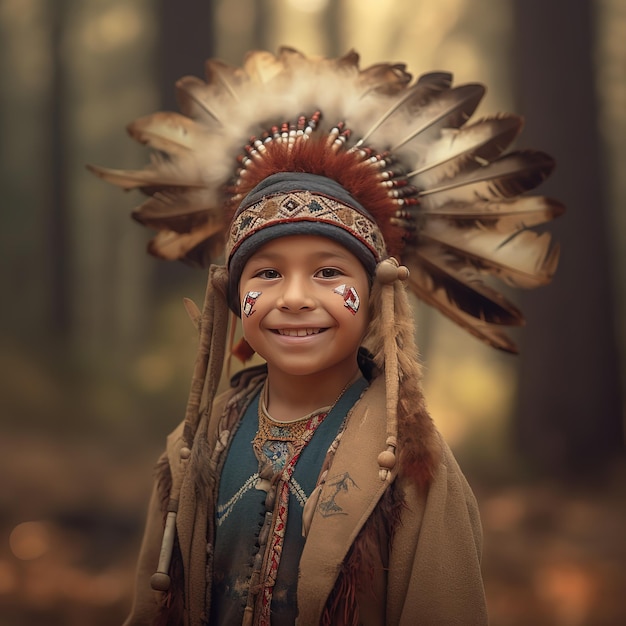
x: 304, y: 206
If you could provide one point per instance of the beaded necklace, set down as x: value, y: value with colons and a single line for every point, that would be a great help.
x: 277, y: 446
x: 277, y: 442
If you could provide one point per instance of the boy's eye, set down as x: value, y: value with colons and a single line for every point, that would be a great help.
x: 268, y: 274
x: 329, y: 272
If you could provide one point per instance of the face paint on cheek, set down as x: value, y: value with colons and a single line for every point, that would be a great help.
x: 249, y: 300
x: 350, y: 297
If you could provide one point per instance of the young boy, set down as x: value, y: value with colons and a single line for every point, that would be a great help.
x: 316, y: 490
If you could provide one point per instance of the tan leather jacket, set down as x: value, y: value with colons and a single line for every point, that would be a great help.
x: 433, y: 571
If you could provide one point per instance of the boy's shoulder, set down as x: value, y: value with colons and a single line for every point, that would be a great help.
x: 249, y: 377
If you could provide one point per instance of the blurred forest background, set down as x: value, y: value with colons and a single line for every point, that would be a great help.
x: 97, y: 352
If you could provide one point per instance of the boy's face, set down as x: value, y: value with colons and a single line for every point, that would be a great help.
x: 304, y: 305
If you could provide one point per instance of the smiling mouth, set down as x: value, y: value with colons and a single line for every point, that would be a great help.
x: 298, y: 332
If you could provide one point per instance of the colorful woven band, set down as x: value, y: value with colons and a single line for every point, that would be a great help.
x: 289, y: 209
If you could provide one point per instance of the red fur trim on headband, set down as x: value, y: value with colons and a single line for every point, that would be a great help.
x: 347, y: 168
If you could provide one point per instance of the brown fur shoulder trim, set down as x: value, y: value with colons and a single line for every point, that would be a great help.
x: 419, y: 448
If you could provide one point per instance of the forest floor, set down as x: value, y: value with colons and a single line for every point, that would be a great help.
x: 71, y: 516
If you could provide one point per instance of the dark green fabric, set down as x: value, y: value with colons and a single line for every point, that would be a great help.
x: 241, y: 509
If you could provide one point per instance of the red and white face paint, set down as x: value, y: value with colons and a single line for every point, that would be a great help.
x: 249, y: 300
x: 300, y: 326
x: 350, y: 296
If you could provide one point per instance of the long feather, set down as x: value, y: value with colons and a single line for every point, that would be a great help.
x: 464, y: 287
x: 523, y: 259
x: 450, y: 109
x: 295, y: 64
x: 435, y: 82
x: 173, y: 246
x: 423, y: 286
x: 200, y: 102
x: 224, y: 77
x: 263, y: 67
x: 160, y: 173
x: 505, y: 216
x: 290, y: 56
x: 384, y: 78
x: 508, y: 176
x: 414, y: 97
x: 181, y: 210
x: 169, y: 132
x: 126, y: 179
x: 469, y: 147
x: 349, y: 61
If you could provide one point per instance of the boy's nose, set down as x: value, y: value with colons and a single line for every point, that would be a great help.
x: 295, y: 296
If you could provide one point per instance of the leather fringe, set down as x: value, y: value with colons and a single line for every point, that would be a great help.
x: 370, y: 549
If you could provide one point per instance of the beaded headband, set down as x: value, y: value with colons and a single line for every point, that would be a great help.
x: 300, y: 204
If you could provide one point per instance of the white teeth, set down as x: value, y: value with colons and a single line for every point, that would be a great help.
x: 298, y: 332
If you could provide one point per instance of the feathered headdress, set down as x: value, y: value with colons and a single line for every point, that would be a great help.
x: 450, y: 200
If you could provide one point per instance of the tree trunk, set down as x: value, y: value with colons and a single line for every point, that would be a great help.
x: 59, y: 291
x: 187, y: 40
x: 569, y: 415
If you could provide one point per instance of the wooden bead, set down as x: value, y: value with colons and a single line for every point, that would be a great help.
x: 387, y: 459
x: 403, y: 272
x: 160, y: 581
x: 387, y: 272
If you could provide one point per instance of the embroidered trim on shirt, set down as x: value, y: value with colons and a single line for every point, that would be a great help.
x: 224, y: 510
